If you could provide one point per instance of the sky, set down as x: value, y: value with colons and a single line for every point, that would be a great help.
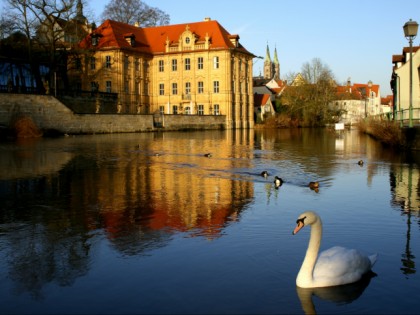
x: 355, y: 39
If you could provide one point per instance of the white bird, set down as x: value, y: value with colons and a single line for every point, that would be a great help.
x: 335, y: 266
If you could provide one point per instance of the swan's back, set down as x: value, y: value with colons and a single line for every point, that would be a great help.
x: 338, y: 265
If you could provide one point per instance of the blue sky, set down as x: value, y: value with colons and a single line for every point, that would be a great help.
x: 356, y: 39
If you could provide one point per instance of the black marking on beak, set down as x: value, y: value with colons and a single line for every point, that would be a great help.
x: 301, y: 220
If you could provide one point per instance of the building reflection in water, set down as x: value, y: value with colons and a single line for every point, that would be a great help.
x: 124, y: 190
x: 145, y: 195
x: 405, y: 191
x: 404, y: 182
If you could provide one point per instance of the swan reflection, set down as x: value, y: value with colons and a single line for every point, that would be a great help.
x: 343, y: 294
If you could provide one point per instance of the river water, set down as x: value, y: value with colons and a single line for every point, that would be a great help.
x: 146, y: 223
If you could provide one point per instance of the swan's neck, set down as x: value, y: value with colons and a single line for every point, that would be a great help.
x: 305, y: 275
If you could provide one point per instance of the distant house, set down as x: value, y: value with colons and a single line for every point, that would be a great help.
x: 263, y: 107
x: 298, y: 80
x: 358, y: 100
x: 387, y: 101
x: 277, y: 86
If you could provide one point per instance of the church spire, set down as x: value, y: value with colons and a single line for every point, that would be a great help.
x: 276, y: 65
x: 79, y: 13
x: 268, y: 69
x: 267, y: 55
x: 276, y: 59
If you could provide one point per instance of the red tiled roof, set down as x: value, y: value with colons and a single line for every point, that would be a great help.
x: 356, y: 90
x: 402, y: 58
x: 374, y: 87
x: 387, y: 100
x: 261, y: 99
x: 397, y: 58
x: 153, y: 39
x: 406, y: 50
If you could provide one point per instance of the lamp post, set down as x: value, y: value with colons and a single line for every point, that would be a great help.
x: 410, y: 32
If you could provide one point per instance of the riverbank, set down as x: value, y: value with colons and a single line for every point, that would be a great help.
x: 391, y: 133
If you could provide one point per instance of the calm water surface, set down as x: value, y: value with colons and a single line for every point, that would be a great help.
x: 145, y: 223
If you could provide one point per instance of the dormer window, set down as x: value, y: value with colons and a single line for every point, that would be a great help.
x: 95, y: 39
x: 187, y: 39
x: 131, y: 39
x: 234, y: 39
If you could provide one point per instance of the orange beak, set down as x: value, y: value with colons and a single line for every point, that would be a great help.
x: 298, y: 227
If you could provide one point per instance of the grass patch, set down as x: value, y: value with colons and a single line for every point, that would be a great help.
x: 388, y: 132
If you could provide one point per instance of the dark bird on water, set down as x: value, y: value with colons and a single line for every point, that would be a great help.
x: 264, y: 174
x: 313, y: 185
x: 278, y: 182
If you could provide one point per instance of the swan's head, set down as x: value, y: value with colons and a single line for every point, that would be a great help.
x: 306, y: 218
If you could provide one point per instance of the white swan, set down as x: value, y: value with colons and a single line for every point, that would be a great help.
x: 335, y: 266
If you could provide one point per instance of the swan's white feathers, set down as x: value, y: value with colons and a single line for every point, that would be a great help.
x: 339, y: 265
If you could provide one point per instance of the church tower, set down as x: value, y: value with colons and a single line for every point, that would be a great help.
x: 268, y: 65
x: 79, y: 13
x: 276, y: 66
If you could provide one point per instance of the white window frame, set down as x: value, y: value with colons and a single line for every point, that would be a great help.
x: 187, y: 64
x: 216, y: 87
x: 108, y: 86
x: 216, y: 109
x: 108, y: 62
x: 200, y: 87
x: 200, y: 63
x: 216, y: 62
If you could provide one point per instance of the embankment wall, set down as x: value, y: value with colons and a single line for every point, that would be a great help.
x: 48, y: 113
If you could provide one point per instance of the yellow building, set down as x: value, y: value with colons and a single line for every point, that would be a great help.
x: 191, y: 69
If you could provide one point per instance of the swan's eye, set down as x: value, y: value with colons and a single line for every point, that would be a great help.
x: 302, y: 221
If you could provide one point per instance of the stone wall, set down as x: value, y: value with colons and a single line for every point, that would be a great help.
x: 412, y: 138
x: 50, y: 114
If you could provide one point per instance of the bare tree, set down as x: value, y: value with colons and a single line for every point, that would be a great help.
x: 22, y: 19
x: 309, y: 102
x: 50, y: 26
x: 316, y: 70
x: 135, y: 11
x: 7, y: 26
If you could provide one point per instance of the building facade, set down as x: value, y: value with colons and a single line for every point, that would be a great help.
x: 192, y: 69
x: 357, y: 101
x: 400, y: 82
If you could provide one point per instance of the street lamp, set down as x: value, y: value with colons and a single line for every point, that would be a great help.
x: 410, y: 32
